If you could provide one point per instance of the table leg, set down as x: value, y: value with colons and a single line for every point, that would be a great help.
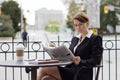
x: 33, y: 72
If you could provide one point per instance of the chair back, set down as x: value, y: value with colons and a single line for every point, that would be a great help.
x: 98, y: 67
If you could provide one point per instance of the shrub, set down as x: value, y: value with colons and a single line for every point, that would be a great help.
x: 6, y: 26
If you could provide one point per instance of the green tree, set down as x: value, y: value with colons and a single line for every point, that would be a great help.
x: 6, y: 26
x: 109, y: 18
x: 12, y: 8
x: 72, y: 10
x: 52, y: 26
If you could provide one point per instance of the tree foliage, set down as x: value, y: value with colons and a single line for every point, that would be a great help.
x: 6, y: 26
x: 12, y: 8
x: 52, y: 26
x: 72, y: 9
x: 109, y: 18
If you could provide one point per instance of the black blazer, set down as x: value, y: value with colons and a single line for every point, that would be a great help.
x: 90, y: 52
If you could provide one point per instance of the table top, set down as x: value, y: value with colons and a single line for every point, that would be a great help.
x: 15, y: 63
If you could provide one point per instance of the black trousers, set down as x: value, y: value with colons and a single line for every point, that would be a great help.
x: 67, y: 73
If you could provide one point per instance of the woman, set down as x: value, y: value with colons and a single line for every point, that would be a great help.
x: 87, y: 49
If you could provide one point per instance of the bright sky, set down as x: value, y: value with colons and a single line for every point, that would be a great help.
x: 29, y: 6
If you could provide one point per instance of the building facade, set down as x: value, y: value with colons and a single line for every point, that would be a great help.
x: 44, y: 16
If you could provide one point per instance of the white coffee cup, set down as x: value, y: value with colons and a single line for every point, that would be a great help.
x: 19, y: 52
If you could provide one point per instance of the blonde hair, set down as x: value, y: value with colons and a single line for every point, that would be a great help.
x: 82, y: 17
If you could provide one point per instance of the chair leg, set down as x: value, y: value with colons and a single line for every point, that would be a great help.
x: 97, y: 74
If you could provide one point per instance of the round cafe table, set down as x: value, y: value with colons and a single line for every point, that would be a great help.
x: 31, y: 66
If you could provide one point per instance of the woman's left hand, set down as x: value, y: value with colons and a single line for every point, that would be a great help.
x: 51, y: 44
x: 76, y: 60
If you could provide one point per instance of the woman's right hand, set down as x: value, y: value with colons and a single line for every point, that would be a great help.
x: 76, y: 60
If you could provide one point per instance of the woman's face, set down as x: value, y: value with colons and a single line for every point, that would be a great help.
x: 79, y: 26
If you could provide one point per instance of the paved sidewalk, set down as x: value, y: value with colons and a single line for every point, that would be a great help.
x: 4, y: 39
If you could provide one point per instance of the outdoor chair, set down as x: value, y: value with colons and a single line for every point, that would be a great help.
x: 97, y: 68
